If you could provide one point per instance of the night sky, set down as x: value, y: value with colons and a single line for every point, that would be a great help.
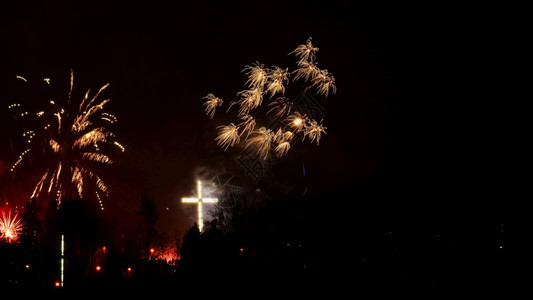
x: 411, y: 144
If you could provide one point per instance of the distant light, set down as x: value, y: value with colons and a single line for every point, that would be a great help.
x: 57, y: 284
x: 152, y: 250
x: 27, y: 266
x: 98, y: 268
x: 242, y: 249
x: 129, y: 269
x: 501, y: 247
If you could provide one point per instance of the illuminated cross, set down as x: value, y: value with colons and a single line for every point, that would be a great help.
x: 200, y: 200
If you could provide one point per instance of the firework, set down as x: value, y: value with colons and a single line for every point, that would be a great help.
x: 228, y: 136
x: 248, y: 123
x: 282, y: 148
x: 306, y: 52
x: 281, y: 106
x: 324, y: 83
x: 211, y: 104
x: 313, y: 130
x: 262, y: 140
x: 275, y: 82
x: 296, y: 122
x: 307, y: 70
x: 257, y: 75
x: 66, y: 142
x: 250, y: 99
x: 277, y: 77
x: 10, y: 227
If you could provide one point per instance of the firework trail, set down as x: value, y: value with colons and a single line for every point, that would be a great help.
x: 69, y: 142
x: 10, y: 227
x: 274, y: 81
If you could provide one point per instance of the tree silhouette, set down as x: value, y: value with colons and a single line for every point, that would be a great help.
x: 149, y: 214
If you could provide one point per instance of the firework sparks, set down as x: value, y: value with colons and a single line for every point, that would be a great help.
x: 71, y: 135
x: 10, y: 227
x: 314, y: 131
x: 275, y: 81
x: 324, y: 82
x: 250, y: 99
x: 307, y: 70
x: 211, y: 104
x: 282, y: 148
x: 306, y: 52
x: 257, y: 75
x: 283, y: 138
x: 277, y: 77
x: 296, y: 121
x: 262, y: 141
x: 22, y: 78
x: 281, y: 106
x: 248, y: 123
x: 228, y: 136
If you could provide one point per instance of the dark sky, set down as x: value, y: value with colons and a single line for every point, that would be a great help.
x: 405, y: 120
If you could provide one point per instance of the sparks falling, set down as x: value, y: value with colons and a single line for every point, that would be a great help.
x: 211, y: 103
x: 69, y: 143
x: 262, y: 81
x: 228, y: 136
x: 306, y: 52
x: 262, y: 140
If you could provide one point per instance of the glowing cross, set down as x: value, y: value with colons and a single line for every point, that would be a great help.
x: 200, y: 200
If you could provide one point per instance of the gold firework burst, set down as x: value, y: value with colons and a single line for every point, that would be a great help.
x: 296, y: 122
x: 211, y: 104
x: 228, y: 136
x: 281, y: 106
x: 248, y: 124
x: 277, y: 77
x: 70, y: 135
x: 282, y: 148
x: 274, y: 81
x: 307, y: 70
x: 262, y: 141
x: 314, y: 131
x: 324, y: 82
x: 257, y: 75
x: 306, y: 52
x: 250, y: 99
